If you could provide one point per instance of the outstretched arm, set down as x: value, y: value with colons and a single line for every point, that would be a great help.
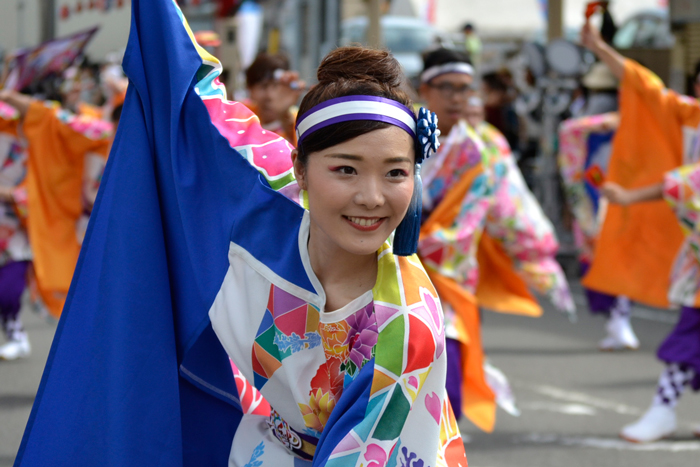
x: 591, y: 39
x: 664, y: 105
x: 619, y: 195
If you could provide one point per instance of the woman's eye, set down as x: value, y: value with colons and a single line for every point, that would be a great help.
x: 397, y: 173
x: 345, y: 170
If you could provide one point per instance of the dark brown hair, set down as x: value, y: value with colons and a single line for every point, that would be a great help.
x: 264, y: 66
x: 350, y: 71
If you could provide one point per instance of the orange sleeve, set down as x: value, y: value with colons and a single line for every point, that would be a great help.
x: 661, y: 101
x: 54, y: 197
x: 638, y: 244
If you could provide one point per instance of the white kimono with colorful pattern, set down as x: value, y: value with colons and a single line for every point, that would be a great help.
x: 302, y: 357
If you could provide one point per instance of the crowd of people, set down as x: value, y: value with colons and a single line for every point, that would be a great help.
x: 283, y: 285
x: 55, y: 142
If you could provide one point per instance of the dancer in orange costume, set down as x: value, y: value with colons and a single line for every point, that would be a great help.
x: 649, y: 147
x: 67, y: 155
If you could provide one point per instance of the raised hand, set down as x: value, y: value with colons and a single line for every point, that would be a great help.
x: 19, y: 101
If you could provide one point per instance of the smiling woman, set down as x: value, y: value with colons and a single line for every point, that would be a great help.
x: 378, y: 314
x: 361, y: 185
x: 359, y: 192
x: 282, y: 263
x: 374, y: 322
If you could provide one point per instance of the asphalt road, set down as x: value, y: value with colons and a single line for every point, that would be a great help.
x: 573, y: 398
x: 19, y: 381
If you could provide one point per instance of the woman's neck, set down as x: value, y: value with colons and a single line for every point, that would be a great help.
x: 343, y: 275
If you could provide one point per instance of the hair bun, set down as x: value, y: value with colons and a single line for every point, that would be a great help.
x: 360, y: 64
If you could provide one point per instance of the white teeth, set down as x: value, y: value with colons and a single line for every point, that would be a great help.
x: 363, y: 222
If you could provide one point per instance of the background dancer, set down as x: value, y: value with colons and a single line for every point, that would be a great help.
x: 66, y: 157
x: 627, y: 262
x: 681, y: 351
x: 468, y: 186
x: 274, y: 91
x: 589, y: 210
x: 15, y: 254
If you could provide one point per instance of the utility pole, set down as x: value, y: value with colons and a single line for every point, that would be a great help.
x: 20, y: 23
x: 555, y: 19
x: 48, y: 20
x: 374, y: 26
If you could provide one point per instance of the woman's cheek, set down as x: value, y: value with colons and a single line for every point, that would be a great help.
x: 406, y: 193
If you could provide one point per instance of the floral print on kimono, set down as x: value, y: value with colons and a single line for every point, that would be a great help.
x: 518, y: 222
x: 451, y: 251
x: 682, y: 192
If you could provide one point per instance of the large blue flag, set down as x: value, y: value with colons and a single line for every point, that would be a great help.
x: 136, y: 375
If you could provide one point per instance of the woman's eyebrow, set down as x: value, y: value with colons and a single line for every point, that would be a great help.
x: 354, y: 157
x: 393, y: 160
x: 351, y: 157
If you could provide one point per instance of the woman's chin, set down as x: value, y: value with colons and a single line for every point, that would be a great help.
x: 364, y: 247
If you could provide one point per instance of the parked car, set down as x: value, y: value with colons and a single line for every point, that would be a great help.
x: 649, y: 29
x: 407, y: 38
x: 646, y: 37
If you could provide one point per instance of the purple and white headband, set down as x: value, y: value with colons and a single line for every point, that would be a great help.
x: 423, y: 129
x: 350, y: 108
x: 452, y: 67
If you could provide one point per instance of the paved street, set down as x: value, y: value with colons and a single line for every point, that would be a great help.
x: 573, y: 398
x: 19, y: 381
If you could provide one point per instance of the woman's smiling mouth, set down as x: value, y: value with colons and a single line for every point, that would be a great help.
x: 365, y: 224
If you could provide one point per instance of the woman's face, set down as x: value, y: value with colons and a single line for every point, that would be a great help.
x: 358, y: 190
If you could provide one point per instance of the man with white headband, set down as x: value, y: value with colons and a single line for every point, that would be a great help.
x: 467, y: 187
x: 446, y: 83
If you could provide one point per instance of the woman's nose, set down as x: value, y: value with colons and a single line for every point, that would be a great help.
x: 370, y: 194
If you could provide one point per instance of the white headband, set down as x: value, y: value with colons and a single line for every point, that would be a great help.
x: 350, y: 108
x: 453, y: 67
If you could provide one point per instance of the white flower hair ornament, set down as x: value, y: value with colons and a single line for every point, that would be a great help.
x: 428, y: 134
